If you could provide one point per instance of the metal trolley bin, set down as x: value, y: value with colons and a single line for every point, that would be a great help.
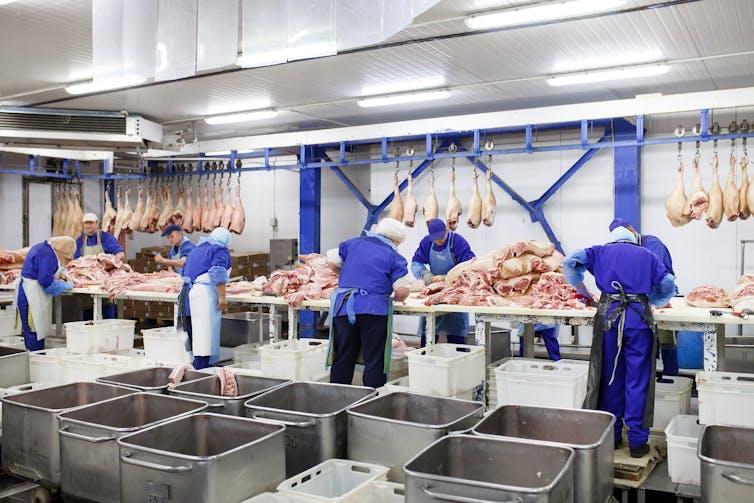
x: 314, y: 415
x: 151, y: 380
x: 208, y: 390
x: 727, y: 462
x: 14, y: 367
x: 589, y: 433
x: 468, y: 468
x: 89, y: 452
x: 389, y: 430
x: 203, y: 457
x: 31, y: 447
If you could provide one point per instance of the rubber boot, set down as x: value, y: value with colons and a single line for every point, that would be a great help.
x: 669, y: 356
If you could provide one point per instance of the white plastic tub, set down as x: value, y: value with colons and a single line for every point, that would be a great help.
x: 682, y: 435
x: 87, y: 368
x: 99, y: 336
x: 8, y: 325
x: 446, y: 369
x: 247, y: 352
x: 46, y: 365
x: 12, y: 341
x: 334, y: 480
x: 295, y: 359
x: 378, y: 491
x: 403, y: 384
x: 166, y: 345
x: 671, y: 398
x: 523, y: 381
x: 726, y: 398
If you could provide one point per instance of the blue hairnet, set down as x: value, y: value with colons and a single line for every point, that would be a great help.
x: 220, y: 236
x: 621, y: 234
x: 620, y: 222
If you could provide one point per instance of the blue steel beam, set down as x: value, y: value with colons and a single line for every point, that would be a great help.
x: 627, y: 174
x: 310, y: 202
x: 353, y: 188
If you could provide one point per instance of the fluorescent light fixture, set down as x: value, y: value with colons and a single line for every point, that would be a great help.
x: 104, y: 85
x: 278, y: 56
x: 547, y: 11
x: 227, y: 152
x: 583, y: 63
x: 403, y: 86
x: 397, y: 99
x: 241, y: 117
x: 607, y: 75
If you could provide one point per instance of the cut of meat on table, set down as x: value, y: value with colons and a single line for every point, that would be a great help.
x: 707, y: 296
x: 698, y: 200
x: 246, y: 287
x: 313, y: 278
x: 119, y: 281
x: 675, y: 204
x: 454, y: 209
x: 13, y: 256
x: 743, y: 193
x: 396, y: 205
x: 431, y: 207
x: 474, y: 216
x: 489, y: 204
x: 715, y: 206
x: 9, y: 276
x: 730, y: 195
x: 411, y: 207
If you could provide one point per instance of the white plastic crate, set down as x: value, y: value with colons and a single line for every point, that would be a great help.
x: 682, y: 435
x: 378, y: 491
x: 671, y: 398
x: 99, y: 336
x: 271, y: 498
x: 46, y: 365
x: 87, y: 368
x: 523, y: 381
x: 8, y: 325
x: 334, y: 480
x: 166, y: 345
x: 295, y: 359
x: 402, y: 384
x: 445, y: 369
x: 726, y: 398
x: 12, y: 341
x: 247, y: 352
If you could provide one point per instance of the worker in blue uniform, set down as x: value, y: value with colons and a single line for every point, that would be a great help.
x: 93, y: 241
x: 549, y: 334
x: 668, y: 349
x: 180, y: 247
x: 42, y: 278
x: 621, y: 366
x: 202, y: 298
x: 362, y: 306
x: 442, y: 250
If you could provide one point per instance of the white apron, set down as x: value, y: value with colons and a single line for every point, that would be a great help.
x: 205, y: 318
x: 40, y: 304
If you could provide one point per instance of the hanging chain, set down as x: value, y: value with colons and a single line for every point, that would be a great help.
x: 744, y: 145
x: 680, y: 155
x: 698, y: 153
x: 714, y: 147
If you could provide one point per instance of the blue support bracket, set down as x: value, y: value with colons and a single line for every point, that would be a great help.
x: 627, y: 172
x: 640, y: 130
x: 529, y: 147
x: 704, y: 124
x: 584, y: 135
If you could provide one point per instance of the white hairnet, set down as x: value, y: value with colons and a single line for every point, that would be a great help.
x: 392, y: 229
x: 333, y: 255
x: 621, y: 234
x: 220, y: 236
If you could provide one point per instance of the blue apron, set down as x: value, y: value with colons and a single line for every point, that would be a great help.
x: 349, y: 298
x: 176, y: 256
x: 453, y: 324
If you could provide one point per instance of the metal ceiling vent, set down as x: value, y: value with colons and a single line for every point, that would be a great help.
x: 32, y: 127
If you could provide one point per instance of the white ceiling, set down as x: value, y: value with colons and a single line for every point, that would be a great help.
x: 45, y: 44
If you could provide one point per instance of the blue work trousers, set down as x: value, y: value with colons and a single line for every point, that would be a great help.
x: 30, y: 338
x: 550, y: 338
x: 627, y: 396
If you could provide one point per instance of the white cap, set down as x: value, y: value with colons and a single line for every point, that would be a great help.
x: 392, y: 229
x: 90, y: 217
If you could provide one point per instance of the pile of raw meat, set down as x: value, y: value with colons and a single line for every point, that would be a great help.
x: 246, y: 287
x: 314, y: 278
x: 9, y: 277
x: 740, y: 298
x: 155, y: 210
x: 91, y: 270
x: 524, y: 274
x: 12, y: 259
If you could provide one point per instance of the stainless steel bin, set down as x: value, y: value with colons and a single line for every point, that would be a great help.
x: 89, y: 453
x: 203, y: 457
x: 208, y: 390
x: 245, y: 328
x: 588, y: 432
x: 151, y: 380
x: 727, y: 461
x: 389, y: 430
x: 31, y: 447
x: 14, y: 367
x: 468, y: 468
x: 315, y: 418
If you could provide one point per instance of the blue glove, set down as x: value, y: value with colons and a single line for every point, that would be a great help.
x: 663, y: 291
x: 573, y: 267
x: 417, y: 268
x: 57, y: 287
